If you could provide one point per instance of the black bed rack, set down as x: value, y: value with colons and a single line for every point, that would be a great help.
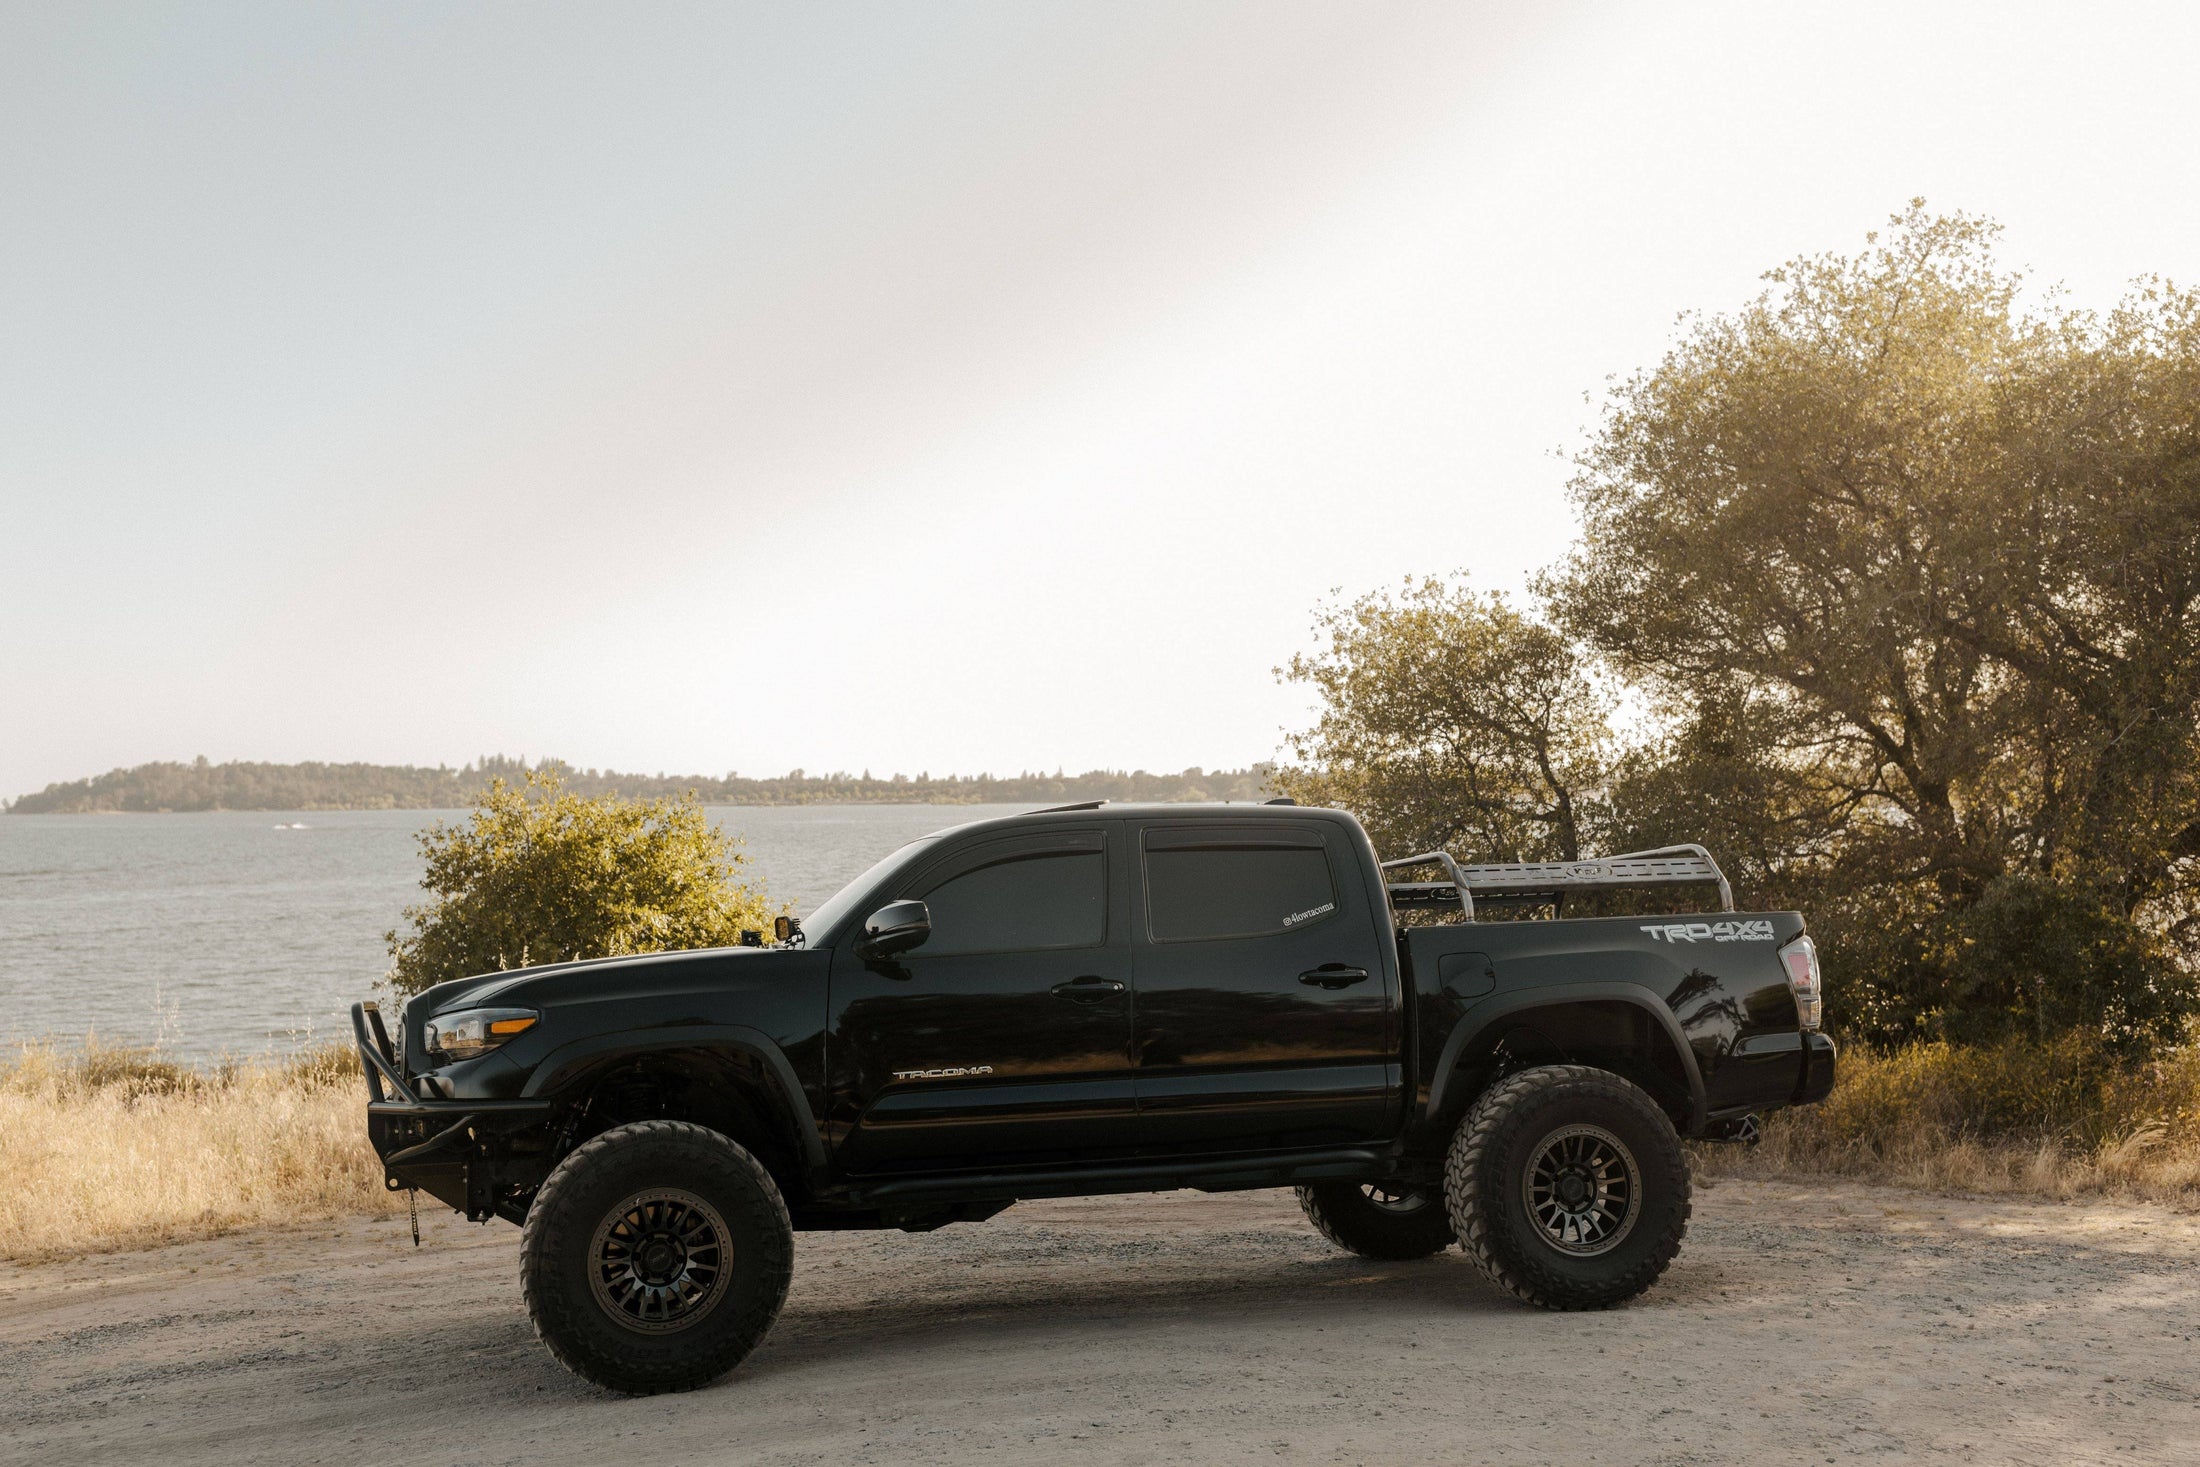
x: 1548, y: 882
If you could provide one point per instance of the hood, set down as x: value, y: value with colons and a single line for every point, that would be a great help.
x: 549, y: 983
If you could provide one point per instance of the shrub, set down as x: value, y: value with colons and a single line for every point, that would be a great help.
x: 537, y: 875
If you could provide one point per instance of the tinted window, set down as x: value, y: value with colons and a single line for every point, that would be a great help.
x: 1235, y: 892
x: 1054, y: 900
x: 819, y: 924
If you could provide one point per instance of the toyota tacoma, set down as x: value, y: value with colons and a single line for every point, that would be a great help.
x: 1104, y: 999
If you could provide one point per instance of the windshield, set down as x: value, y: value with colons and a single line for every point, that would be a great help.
x: 820, y: 923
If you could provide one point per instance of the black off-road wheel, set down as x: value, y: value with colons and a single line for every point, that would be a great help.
x: 655, y: 1257
x: 1568, y: 1187
x: 1378, y: 1219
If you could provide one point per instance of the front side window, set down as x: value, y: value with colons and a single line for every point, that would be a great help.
x: 1241, y: 891
x: 819, y: 924
x: 1048, y: 900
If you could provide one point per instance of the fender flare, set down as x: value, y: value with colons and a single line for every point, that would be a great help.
x: 1484, y: 1016
x: 570, y: 1062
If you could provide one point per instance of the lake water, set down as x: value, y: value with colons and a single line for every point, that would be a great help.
x: 233, y: 934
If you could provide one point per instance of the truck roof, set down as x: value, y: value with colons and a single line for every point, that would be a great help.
x: 1151, y: 809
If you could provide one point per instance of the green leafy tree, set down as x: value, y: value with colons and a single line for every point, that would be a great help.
x: 1901, y: 577
x: 1944, y: 552
x: 1450, y: 719
x: 540, y: 875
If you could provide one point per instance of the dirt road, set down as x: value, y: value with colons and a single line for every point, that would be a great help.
x: 1802, y: 1324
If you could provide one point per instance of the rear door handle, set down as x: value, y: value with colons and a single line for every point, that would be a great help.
x: 1333, y: 975
x: 1089, y: 989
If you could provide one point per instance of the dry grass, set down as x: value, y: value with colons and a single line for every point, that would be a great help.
x: 106, y: 1148
x: 2059, y: 1119
x: 113, y: 1148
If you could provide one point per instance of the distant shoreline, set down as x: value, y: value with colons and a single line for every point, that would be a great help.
x: 250, y: 788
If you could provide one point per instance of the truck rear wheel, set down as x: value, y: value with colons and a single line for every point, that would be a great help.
x: 1379, y: 1220
x: 655, y: 1257
x: 1568, y: 1186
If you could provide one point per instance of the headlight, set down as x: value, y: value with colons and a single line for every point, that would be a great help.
x: 469, y: 1033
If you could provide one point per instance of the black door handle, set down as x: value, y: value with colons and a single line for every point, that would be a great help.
x: 1089, y: 989
x: 1333, y: 975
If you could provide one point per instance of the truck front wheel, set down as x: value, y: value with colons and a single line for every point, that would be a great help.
x: 1379, y: 1220
x: 655, y: 1257
x: 1568, y: 1186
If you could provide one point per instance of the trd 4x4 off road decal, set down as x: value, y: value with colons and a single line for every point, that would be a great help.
x: 1711, y: 931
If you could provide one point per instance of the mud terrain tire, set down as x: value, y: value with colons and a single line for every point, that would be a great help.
x: 1568, y: 1187
x: 655, y: 1257
x: 1414, y: 1225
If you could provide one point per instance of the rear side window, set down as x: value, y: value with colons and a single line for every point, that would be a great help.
x: 1235, y: 891
x: 1053, y: 899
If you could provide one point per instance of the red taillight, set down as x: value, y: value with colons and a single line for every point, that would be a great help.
x: 1802, y: 972
x: 1801, y: 960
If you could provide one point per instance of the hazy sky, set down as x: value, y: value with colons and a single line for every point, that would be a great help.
x: 912, y: 386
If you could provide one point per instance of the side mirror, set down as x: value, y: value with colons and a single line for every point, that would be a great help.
x: 894, y: 928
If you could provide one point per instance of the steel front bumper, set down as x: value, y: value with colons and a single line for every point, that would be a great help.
x: 453, y: 1150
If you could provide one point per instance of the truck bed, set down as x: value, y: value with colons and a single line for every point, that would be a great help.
x: 1713, y: 982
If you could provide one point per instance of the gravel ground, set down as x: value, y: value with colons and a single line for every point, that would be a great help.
x: 1803, y: 1323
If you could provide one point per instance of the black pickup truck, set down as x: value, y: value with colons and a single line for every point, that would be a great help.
x: 1111, y: 998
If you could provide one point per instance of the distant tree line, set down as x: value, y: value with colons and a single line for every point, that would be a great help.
x: 200, y: 785
x: 1888, y: 590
